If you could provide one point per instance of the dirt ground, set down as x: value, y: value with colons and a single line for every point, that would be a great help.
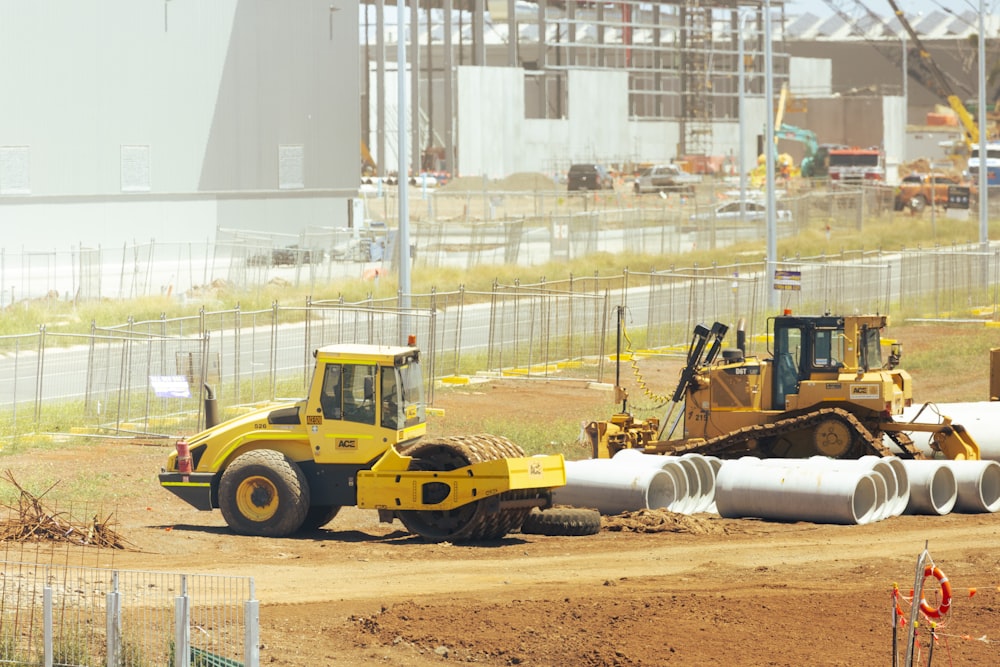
x: 670, y: 590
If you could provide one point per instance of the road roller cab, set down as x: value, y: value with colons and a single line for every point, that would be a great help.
x: 358, y: 439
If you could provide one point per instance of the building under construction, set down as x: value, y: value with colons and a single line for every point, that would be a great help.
x: 630, y: 81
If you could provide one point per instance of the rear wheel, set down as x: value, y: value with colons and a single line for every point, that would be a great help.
x: 917, y: 204
x: 264, y: 493
x: 471, y: 522
x: 566, y: 521
x: 318, y: 516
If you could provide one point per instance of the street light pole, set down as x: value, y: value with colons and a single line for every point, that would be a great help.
x: 984, y: 234
x: 906, y: 84
x: 741, y: 113
x: 403, y: 240
x: 772, y: 231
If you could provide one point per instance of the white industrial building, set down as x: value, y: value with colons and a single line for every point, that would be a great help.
x: 135, y: 120
x: 172, y: 119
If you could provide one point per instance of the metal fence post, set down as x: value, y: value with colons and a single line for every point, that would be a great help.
x: 182, y: 627
x: 251, y: 625
x: 41, y: 373
x: 113, y: 623
x: 47, y: 626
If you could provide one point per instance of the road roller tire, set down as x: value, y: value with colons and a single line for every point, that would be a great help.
x: 264, y: 493
x: 475, y: 521
x: 318, y: 516
x: 564, y: 521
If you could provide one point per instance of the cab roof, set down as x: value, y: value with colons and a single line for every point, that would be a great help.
x: 363, y: 352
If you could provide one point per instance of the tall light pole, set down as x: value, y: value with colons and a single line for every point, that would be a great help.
x: 906, y: 84
x: 741, y: 113
x: 772, y: 231
x: 984, y: 233
x: 403, y: 242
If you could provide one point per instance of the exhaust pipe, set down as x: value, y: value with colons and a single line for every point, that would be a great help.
x: 211, y: 408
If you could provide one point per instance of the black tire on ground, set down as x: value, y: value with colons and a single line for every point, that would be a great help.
x: 917, y: 204
x: 562, y: 521
x: 264, y: 493
x: 318, y: 516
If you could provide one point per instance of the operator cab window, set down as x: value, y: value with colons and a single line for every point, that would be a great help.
x: 391, y: 404
x: 788, y: 351
x: 359, y: 393
x: 828, y: 349
x: 349, y: 393
x: 329, y: 399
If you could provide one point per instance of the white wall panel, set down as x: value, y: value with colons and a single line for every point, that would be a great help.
x: 810, y: 77
x: 598, y: 114
x: 209, y: 91
x: 894, y: 136
x: 213, y: 88
x: 491, y: 120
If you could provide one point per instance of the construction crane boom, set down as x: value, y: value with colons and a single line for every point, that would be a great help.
x: 942, y: 87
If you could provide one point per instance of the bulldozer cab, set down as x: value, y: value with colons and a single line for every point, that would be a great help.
x: 363, y: 397
x: 808, y: 348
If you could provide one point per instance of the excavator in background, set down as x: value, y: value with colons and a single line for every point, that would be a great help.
x: 824, y: 390
x: 810, y: 166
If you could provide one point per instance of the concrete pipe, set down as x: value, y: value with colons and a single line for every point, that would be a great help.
x: 980, y: 419
x: 683, y: 503
x: 887, y: 493
x: 978, y: 486
x: 902, y: 481
x: 614, y: 488
x: 933, y: 489
x: 747, y: 488
x: 706, y: 480
x: 716, y: 463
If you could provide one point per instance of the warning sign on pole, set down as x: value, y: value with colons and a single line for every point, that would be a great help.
x: 788, y: 280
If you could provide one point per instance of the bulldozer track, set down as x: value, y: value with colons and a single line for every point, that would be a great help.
x: 474, y: 522
x: 747, y: 439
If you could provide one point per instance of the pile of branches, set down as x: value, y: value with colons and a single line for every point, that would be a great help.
x: 31, y: 521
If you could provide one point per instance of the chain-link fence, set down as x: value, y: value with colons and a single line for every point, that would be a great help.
x: 64, y: 615
x: 462, y: 229
x: 150, y: 379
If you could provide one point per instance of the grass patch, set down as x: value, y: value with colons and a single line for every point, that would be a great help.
x: 811, y: 241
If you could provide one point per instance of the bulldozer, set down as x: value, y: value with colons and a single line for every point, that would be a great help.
x: 359, y: 439
x: 825, y: 389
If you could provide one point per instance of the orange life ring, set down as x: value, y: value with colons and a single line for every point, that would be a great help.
x: 942, y: 609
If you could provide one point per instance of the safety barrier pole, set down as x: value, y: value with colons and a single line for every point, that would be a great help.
x: 918, y: 585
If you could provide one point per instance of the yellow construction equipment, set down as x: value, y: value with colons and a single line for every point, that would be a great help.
x: 359, y: 439
x: 824, y: 390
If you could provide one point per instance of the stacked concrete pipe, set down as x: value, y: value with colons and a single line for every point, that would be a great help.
x: 933, y: 489
x: 970, y: 487
x: 892, y: 485
x: 751, y: 487
x: 613, y: 489
x: 696, y: 473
